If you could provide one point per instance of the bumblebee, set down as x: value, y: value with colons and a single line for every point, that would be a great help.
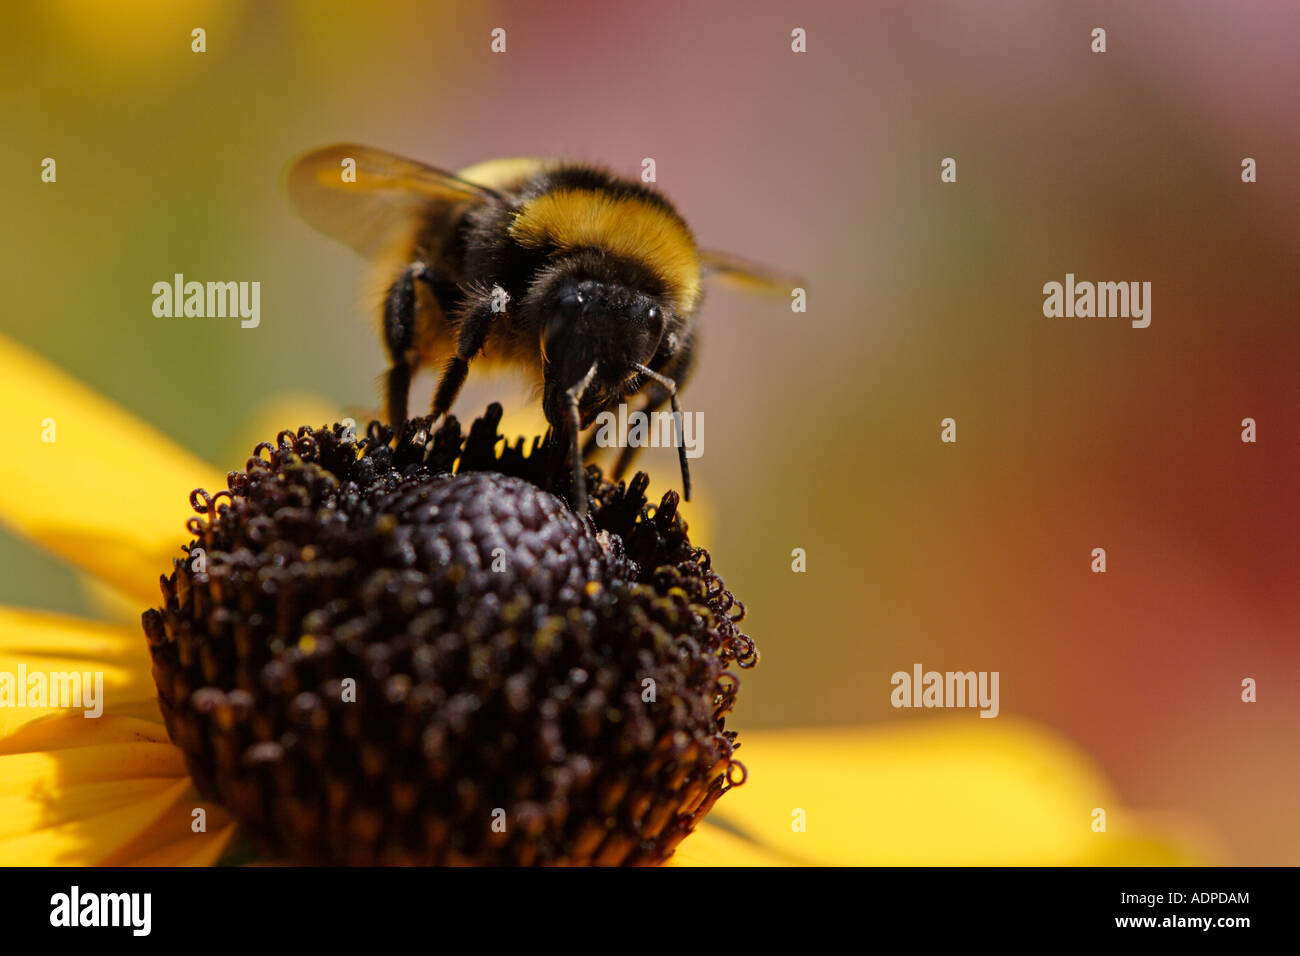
x: 589, y: 281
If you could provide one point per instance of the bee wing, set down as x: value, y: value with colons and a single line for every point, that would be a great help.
x: 386, y: 200
x: 746, y: 275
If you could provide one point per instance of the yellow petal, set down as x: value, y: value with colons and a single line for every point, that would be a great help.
x: 141, y: 741
x: 65, y: 730
x: 109, y: 494
x: 21, y: 814
x: 711, y: 845
x: 287, y: 410
x: 110, y: 791
x: 195, y: 849
x: 91, y: 839
x: 106, y: 785
x: 38, y: 642
x: 1157, y: 839
x: 948, y: 791
x: 171, y: 841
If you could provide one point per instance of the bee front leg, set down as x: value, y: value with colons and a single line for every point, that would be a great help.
x: 399, y: 339
x: 474, y: 321
x: 668, y: 387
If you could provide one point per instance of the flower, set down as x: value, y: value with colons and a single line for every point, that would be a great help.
x: 107, y: 494
x: 525, y: 686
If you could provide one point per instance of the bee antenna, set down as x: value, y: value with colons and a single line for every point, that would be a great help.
x: 575, y: 453
x: 671, y: 387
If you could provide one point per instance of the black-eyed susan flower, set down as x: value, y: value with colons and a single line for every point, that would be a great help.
x: 359, y: 656
x: 370, y: 659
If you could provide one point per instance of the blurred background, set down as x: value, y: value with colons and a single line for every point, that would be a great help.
x: 822, y: 432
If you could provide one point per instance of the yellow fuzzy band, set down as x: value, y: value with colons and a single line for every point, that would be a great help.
x: 625, y: 226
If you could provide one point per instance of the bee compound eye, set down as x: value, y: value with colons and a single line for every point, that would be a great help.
x: 572, y: 302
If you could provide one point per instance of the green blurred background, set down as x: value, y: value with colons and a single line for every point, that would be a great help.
x: 822, y: 428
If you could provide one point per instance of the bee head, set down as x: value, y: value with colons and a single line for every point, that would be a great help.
x: 594, y: 315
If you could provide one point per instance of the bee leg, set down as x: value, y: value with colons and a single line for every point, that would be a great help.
x: 574, y: 397
x: 679, y: 367
x: 589, y: 446
x: 475, y: 321
x: 655, y: 401
x: 399, y: 339
x: 663, y: 388
x: 397, y: 391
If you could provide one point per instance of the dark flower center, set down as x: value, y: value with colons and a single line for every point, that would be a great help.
x: 371, y: 657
